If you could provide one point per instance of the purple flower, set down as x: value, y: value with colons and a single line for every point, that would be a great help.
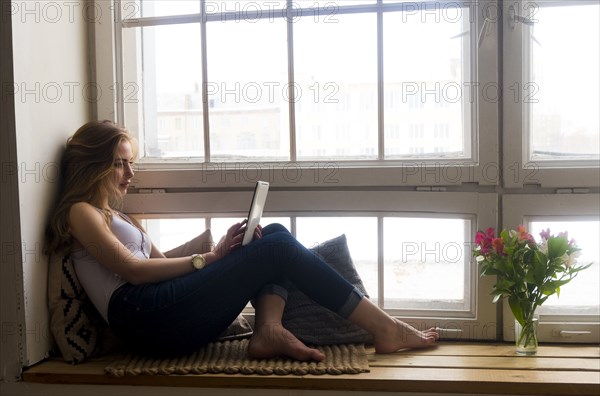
x: 545, y: 234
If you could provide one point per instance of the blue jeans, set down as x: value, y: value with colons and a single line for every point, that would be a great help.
x: 180, y: 315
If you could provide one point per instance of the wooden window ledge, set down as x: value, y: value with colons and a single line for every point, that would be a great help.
x: 475, y: 368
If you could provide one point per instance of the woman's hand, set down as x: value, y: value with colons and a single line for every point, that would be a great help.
x: 230, y: 241
x: 257, y: 233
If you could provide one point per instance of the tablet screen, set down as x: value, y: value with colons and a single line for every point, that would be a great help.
x: 256, y: 209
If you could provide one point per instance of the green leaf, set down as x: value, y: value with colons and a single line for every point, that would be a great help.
x: 505, y: 267
x: 515, y: 307
x: 539, y: 267
x: 530, y: 277
x: 553, y: 286
x: 504, y: 284
x: 576, y: 269
x: 489, y: 270
x: 557, y: 246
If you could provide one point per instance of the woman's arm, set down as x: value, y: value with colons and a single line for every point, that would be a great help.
x: 90, y: 229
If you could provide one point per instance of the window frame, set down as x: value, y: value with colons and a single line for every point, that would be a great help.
x: 479, y: 322
x: 517, y: 170
x: 482, y: 169
x: 313, y: 187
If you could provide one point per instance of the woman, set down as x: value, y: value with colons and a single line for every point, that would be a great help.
x: 172, y: 306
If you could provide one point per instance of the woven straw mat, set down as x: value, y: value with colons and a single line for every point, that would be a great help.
x: 229, y: 357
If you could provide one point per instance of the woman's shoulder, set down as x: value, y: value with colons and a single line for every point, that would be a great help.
x: 85, y: 212
x: 83, y: 207
x: 86, y: 220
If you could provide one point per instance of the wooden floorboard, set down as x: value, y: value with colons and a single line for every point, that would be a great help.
x: 450, y: 367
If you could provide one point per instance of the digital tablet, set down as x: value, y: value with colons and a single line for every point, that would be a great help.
x: 256, y: 209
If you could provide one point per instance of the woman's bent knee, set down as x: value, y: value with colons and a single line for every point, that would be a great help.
x: 275, y: 227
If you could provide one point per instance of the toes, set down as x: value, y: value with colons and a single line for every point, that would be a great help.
x: 282, y: 343
x: 317, y: 355
x: 302, y: 352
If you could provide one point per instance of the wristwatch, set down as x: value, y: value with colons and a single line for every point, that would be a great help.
x: 198, y: 261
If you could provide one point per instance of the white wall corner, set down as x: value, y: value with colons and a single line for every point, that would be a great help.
x: 51, y: 98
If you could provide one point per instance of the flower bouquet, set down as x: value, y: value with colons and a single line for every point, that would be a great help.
x: 527, y: 273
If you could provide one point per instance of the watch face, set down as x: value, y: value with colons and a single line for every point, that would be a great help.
x: 198, y: 262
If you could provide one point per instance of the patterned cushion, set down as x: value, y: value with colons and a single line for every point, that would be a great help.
x: 74, y: 322
x: 314, y: 324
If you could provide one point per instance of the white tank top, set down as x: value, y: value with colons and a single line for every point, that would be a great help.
x: 98, y: 281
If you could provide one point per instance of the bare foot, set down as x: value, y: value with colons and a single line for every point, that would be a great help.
x: 402, y: 336
x: 272, y: 339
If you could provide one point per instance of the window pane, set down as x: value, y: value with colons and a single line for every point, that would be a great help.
x: 425, y: 265
x: 563, y: 96
x: 427, y: 83
x: 336, y: 74
x: 172, y: 78
x: 248, y: 90
x: 156, y: 8
x: 361, y: 234
x: 167, y: 234
x: 582, y: 294
x: 245, y: 10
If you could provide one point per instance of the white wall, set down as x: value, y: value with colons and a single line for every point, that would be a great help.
x: 51, y: 100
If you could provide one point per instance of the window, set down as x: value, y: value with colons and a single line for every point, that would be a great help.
x: 551, y: 145
x: 558, y: 129
x: 169, y: 233
x: 361, y: 128
x: 574, y: 316
x: 426, y: 251
x: 403, y: 245
x: 551, y: 93
x: 247, y: 81
x: 582, y: 295
x: 442, y: 75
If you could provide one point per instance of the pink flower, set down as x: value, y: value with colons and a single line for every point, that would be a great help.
x: 484, y: 240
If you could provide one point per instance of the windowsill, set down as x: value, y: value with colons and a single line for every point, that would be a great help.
x: 476, y: 368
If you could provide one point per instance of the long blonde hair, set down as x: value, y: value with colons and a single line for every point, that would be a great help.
x: 86, y: 175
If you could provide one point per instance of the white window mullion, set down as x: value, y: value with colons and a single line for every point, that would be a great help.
x: 380, y: 86
x: 291, y: 85
x: 118, y: 82
x: 205, y: 101
x: 380, y: 267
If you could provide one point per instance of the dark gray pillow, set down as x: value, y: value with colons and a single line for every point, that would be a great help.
x: 314, y: 324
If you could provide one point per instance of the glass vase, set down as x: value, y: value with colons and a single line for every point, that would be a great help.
x: 526, y: 337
